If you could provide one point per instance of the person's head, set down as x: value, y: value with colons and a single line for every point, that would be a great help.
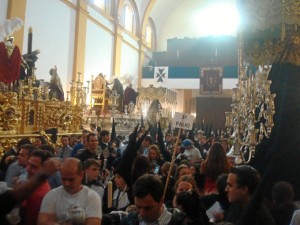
x: 104, y: 135
x: 148, y: 196
x: 92, y: 142
x: 221, y: 184
x: 40, y: 140
x: 64, y: 140
x: 23, y: 141
x: 195, y: 169
x: 91, y: 169
x: 84, y: 137
x: 225, y: 145
x: 203, y: 140
x: 182, y: 170
x: 241, y: 184
x: 169, y: 137
x: 154, y: 152
x: 48, y: 148
x: 36, y: 160
x: 187, y: 144
x: 165, y: 168
x: 185, y: 183
x: 73, y: 140
x: 71, y: 175
x: 141, y: 166
x: 147, y: 142
x: 120, y: 182
x: 24, y: 154
x: 189, y: 203
x: 282, y: 193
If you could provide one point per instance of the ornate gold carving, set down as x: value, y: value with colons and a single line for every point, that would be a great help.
x: 27, y: 110
x: 164, y: 95
x: 9, y: 112
x: 267, y: 26
x: 291, y: 52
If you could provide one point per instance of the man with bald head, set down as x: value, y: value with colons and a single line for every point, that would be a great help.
x: 71, y: 203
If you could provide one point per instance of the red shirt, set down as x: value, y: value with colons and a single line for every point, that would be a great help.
x: 31, y: 205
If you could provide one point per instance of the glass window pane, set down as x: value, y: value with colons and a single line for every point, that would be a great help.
x: 128, y: 18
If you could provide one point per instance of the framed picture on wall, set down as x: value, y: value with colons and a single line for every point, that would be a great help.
x: 211, y: 80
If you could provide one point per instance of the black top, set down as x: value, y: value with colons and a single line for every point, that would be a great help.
x: 86, y: 154
x: 261, y: 216
x: 7, y: 203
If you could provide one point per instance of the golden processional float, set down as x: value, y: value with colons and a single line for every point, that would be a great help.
x: 126, y: 106
x: 29, y: 112
x: 30, y: 107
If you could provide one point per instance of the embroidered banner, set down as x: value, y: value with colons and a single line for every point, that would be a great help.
x: 211, y: 80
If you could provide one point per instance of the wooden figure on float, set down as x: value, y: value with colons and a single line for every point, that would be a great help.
x: 10, y: 56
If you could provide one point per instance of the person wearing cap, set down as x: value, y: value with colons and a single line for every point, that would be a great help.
x: 191, y: 152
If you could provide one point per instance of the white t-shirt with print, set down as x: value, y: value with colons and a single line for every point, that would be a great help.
x: 59, y: 202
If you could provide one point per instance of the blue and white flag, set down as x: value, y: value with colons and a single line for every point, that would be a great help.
x: 161, y: 76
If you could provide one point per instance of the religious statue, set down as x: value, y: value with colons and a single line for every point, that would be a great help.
x: 56, y: 90
x: 120, y: 91
x: 130, y: 95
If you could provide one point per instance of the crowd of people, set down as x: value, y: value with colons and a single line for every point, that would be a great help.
x: 102, y: 179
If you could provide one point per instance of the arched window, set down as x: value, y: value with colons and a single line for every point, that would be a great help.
x: 128, y: 18
x: 148, y: 36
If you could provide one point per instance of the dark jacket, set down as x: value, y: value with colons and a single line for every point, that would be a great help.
x: 133, y: 219
x: 260, y: 216
x: 105, y: 208
x: 86, y: 154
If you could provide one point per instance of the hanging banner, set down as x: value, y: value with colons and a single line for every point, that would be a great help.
x: 211, y: 80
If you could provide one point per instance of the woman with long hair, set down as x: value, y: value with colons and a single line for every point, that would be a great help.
x: 213, y: 166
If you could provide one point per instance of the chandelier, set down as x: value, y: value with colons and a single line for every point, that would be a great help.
x: 251, y: 118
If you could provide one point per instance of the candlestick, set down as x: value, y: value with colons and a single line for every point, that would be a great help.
x: 109, y: 194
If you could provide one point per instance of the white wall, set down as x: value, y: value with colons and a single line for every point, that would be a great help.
x: 53, y: 34
x: 129, y: 60
x: 190, y: 83
x: 3, y: 10
x: 98, y: 52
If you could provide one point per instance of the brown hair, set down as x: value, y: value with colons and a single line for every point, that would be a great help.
x: 188, y: 179
x: 216, y: 162
x: 156, y: 148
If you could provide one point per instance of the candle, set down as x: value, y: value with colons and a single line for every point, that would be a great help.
x: 29, y: 46
x: 109, y: 194
x: 104, y: 163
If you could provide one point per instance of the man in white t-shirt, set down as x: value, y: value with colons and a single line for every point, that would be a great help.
x: 72, y: 202
x: 191, y: 152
